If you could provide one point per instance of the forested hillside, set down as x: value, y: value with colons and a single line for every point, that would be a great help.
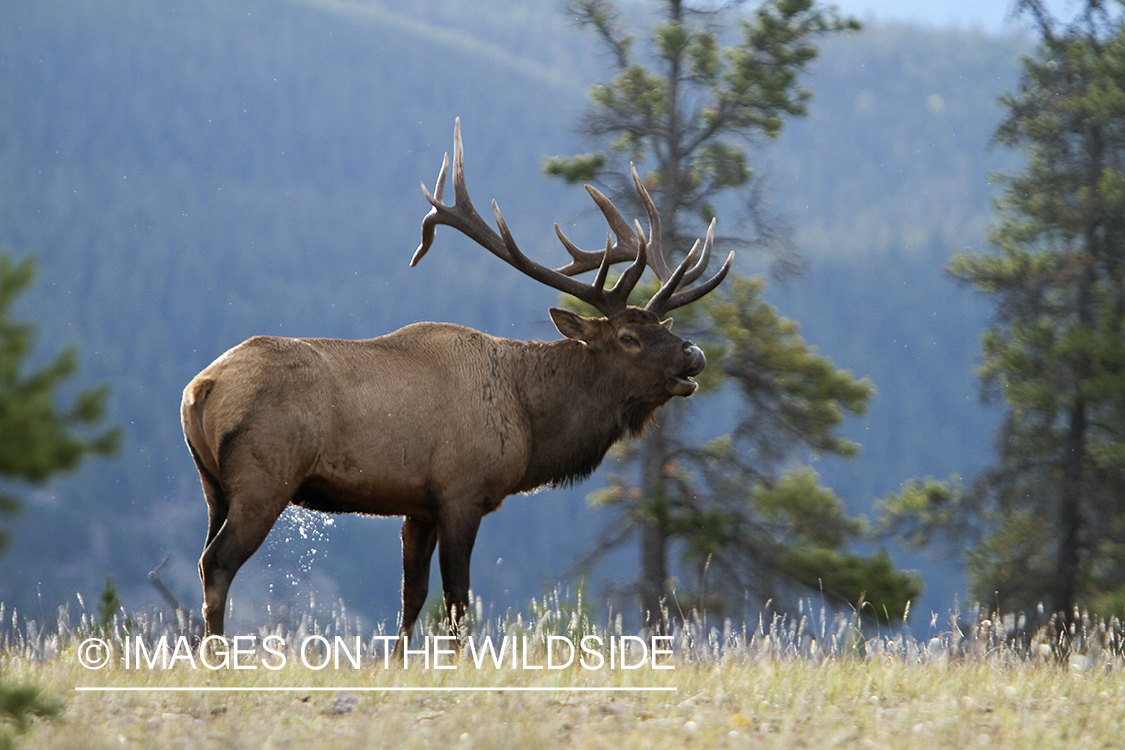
x: 190, y: 176
x: 888, y: 176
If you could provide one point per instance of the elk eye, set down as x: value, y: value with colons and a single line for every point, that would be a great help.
x: 627, y: 339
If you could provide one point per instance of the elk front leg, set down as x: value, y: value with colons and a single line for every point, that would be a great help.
x: 418, y: 541
x: 455, y: 548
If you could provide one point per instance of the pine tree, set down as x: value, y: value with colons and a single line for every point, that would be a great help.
x: 1046, y: 523
x: 692, y: 110
x: 752, y: 522
x: 38, y: 438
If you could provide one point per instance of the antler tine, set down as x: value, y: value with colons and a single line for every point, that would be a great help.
x: 657, y: 262
x: 460, y: 192
x: 614, y: 218
x: 583, y: 260
x: 430, y: 222
x: 624, y: 286
x: 687, y: 296
x: 603, y: 269
x: 625, y: 249
x: 666, y: 290
x: 701, y: 265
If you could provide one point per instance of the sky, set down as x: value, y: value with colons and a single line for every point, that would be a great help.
x: 985, y: 15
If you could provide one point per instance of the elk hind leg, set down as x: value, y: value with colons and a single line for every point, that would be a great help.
x: 249, y: 520
x: 217, y: 504
x: 217, y: 507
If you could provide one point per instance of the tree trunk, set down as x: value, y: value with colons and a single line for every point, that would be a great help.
x: 1067, y: 570
x: 654, y: 532
x: 1065, y: 588
x: 654, y: 528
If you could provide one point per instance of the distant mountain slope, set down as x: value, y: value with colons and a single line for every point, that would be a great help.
x: 192, y: 175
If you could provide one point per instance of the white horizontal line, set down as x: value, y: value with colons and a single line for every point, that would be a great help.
x: 398, y: 689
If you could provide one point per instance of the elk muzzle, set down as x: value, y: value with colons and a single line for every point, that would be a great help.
x: 694, y: 362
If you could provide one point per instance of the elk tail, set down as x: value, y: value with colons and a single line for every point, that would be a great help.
x: 191, y: 414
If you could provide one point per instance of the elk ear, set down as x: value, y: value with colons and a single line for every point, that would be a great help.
x: 574, y: 326
x: 667, y: 323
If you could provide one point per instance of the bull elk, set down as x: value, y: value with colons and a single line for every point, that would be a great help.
x: 436, y: 422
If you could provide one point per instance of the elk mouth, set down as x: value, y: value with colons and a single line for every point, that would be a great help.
x: 694, y: 362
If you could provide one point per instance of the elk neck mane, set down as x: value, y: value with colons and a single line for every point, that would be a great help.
x: 576, y: 413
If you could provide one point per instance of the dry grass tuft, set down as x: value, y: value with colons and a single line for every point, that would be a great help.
x: 814, y: 680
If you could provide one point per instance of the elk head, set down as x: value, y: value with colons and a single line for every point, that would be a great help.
x: 633, y: 335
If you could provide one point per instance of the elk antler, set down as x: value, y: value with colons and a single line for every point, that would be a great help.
x: 463, y: 217
x: 630, y: 246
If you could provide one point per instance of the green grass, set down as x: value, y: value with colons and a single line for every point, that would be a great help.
x: 812, y: 682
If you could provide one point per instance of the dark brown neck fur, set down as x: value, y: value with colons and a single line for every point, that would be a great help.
x: 572, y: 433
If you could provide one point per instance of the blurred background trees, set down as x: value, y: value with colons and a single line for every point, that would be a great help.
x: 1046, y: 522
x: 39, y: 436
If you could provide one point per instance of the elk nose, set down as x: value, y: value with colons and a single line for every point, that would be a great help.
x: 694, y: 360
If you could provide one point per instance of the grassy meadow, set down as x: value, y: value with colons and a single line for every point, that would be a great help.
x: 783, y: 684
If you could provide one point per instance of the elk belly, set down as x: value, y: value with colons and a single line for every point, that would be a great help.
x: 357, y: 491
